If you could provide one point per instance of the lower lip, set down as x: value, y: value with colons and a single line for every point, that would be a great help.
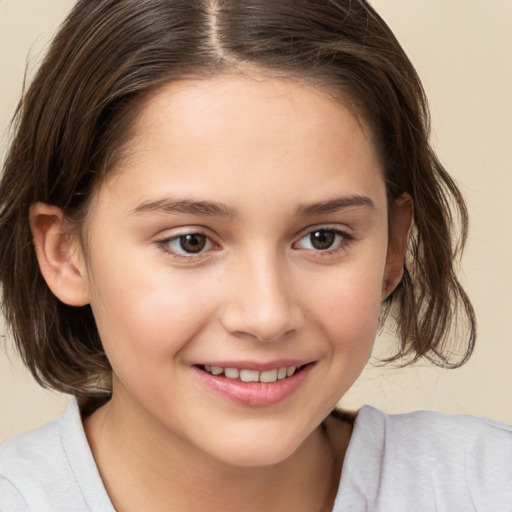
x: 255, y: 394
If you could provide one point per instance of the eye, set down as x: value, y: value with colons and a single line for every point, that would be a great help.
x: 188, y: 244
x: 322, y: 240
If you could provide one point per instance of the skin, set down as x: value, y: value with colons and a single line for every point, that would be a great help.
x: 266, y: 150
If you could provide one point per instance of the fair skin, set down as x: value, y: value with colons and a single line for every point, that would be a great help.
x: 288, y: 259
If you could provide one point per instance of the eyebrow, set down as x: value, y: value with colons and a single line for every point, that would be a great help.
x: 334, y: 205
x: 210, y: 208
x: 186, y: 206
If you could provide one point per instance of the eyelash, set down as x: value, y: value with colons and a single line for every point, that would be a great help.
x: 343, y: 240
x: 165, y: 244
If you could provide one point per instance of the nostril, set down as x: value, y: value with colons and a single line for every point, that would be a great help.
x: 261, y: 303
x: 263, y: 326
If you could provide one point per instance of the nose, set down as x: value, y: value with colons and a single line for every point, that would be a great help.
x: 261, y: 303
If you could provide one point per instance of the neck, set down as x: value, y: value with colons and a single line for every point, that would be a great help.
x: 144, y: 467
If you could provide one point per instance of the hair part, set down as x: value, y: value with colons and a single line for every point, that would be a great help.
x: 72, y: 124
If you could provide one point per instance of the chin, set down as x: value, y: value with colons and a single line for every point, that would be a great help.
x: 258, y: 449
x: 259, y: 457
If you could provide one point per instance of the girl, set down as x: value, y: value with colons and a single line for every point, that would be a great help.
x: 206, y: 210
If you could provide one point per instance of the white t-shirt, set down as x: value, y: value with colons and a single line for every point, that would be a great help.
x: 417, y: 462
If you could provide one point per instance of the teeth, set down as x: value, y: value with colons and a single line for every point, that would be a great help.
x: 249, y: 375
x: 281, y: 374
x: 232, y: 373
x: 216, y: 370
x: 266, y: 376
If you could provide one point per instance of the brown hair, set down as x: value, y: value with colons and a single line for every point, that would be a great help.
x: 79, y: 107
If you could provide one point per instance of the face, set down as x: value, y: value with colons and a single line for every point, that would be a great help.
x: 236, y: 262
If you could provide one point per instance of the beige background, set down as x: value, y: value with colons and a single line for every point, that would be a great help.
x: 463, y: 52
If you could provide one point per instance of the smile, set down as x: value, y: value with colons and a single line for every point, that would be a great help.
x: 243, y: 375
x: 251, y: 387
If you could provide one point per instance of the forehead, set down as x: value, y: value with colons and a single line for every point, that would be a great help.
x: 248, y: 101
x: 276, y: 137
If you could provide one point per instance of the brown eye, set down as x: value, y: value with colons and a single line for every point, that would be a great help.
x: 322, y: 239
x: 192, y: 243
x: 188, y: 246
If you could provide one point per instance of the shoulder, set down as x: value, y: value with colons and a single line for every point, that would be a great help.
x: 37, y: 445
x: 435, y: 431
x: 25, y: 459
x: 431, y: 461
x: 48, y: 468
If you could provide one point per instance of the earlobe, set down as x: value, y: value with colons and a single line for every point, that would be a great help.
x: 401, y: 219
x: 59, y: 255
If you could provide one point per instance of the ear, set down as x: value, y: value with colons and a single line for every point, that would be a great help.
x: 59, y: 254
x: 401, y: 218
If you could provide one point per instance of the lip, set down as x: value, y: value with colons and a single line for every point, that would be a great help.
x: 255, y: 394
x: 258, y: 366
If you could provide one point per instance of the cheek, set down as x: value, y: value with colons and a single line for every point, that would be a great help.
x: 147, y: 314
x: 347, y: 307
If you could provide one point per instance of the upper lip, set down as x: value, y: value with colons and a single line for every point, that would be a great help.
x: 256, y: 366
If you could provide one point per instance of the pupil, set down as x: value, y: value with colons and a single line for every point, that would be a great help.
x: 322, y: 239
x: 192, y: 243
